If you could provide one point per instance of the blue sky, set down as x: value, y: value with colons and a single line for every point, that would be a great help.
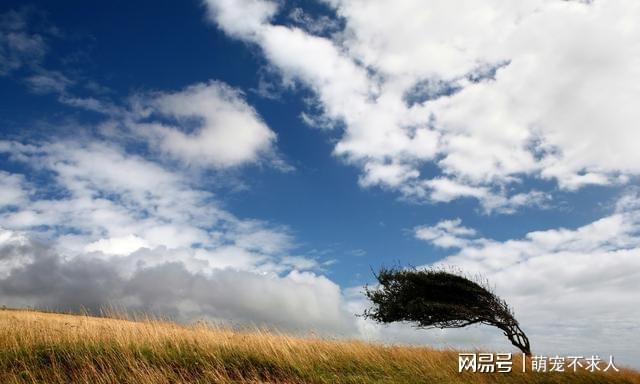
x: 297, y: 144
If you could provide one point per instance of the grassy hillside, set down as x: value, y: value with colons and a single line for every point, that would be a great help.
x: 56, y: 348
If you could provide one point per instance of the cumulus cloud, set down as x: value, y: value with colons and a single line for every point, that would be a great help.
x: 102, y: 199
x: 109, y: 228
x: 574, y: 290
x: 491, y: 94
x: 209, y: 124
x: 205, y: 125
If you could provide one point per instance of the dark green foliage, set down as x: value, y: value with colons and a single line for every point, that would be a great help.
x: 439, y: 299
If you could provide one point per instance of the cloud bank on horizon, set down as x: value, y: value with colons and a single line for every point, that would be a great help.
x: 504, y: 103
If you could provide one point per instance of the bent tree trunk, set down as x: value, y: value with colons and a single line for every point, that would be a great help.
x: 517, y: 337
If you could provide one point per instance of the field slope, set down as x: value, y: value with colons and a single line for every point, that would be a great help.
x: 38, y: 347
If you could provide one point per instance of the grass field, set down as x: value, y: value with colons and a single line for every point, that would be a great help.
x: 37, y: 347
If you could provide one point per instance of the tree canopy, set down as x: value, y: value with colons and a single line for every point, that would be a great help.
x: 431, y: 298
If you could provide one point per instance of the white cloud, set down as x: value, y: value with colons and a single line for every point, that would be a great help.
x: 103, y: 199
x: 12, y: 192
x: 19, y: 46
x: 392, y: 174
x: 445, y: 234
x: 212, y: 126
x: 446, y: 190
x: 241, y: 17
x: 536, y: 89
x: 112, y: 228
x: 123, y: 245
x: 298, y: 262
x: 89, y: 103
x: 206, y: 124
x: 573, y: 290
x: 48, y: 81
x: 315, y: 25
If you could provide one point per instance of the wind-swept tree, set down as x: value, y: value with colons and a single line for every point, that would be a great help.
x: 432, y: 298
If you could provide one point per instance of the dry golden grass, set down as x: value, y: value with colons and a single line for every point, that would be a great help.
x: 38, y: 347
